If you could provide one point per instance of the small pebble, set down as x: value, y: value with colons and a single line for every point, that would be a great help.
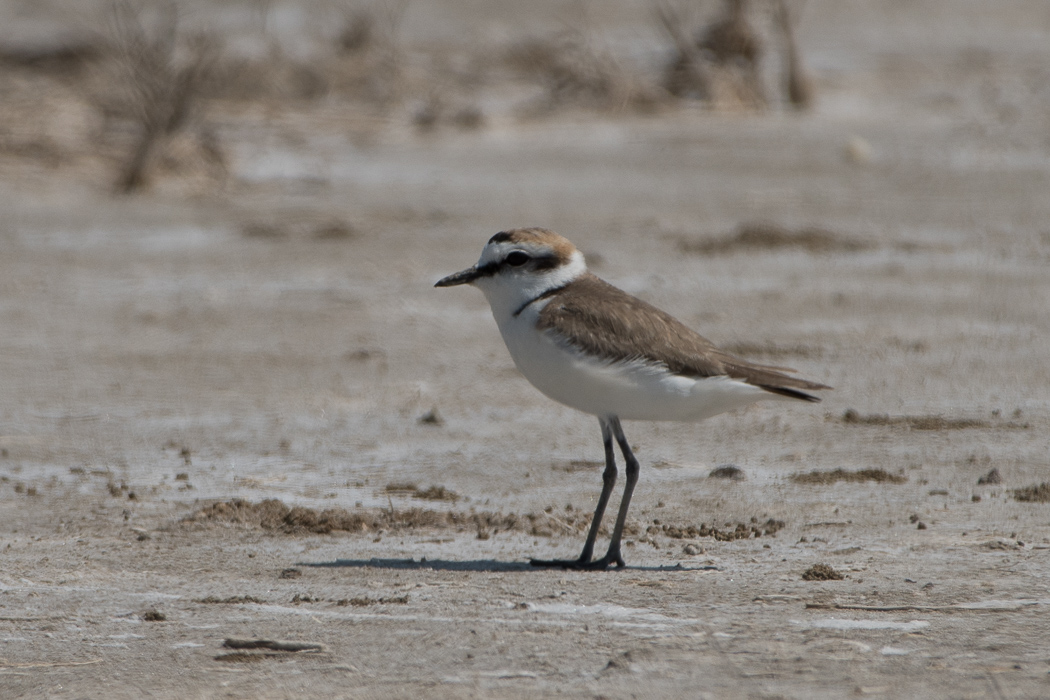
x: 992, y: 477
x: 727, y: 471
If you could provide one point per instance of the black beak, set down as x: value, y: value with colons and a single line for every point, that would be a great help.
x: 465, y: 277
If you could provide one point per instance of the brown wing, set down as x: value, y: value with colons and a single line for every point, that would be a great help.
x: 597, y: 318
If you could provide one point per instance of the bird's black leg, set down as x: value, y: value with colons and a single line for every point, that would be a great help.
x: 608, y: 481
x: 613, y: 555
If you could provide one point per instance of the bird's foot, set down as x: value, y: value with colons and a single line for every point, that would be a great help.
x: 582, y: 564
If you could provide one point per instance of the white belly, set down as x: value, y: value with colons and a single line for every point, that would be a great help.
x: 631, y: 391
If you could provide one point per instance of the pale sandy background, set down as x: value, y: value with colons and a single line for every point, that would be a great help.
x: 161, y: 334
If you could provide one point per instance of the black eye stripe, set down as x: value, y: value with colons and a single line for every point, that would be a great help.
x: 517, y: 258
x: 539, y: 264
x: 546, y: 262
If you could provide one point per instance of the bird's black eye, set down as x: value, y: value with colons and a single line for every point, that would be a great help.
x: 517, y: 258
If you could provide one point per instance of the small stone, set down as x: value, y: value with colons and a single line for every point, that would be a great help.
x: 692, y: 549
x: 858, y: 150
x: 431, y: 417
x: 821, y: 572
x: 727, y: 471
x: 992, y: 477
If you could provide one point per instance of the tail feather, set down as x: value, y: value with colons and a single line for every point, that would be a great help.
x: 775, y: 382
x: 791, y: 393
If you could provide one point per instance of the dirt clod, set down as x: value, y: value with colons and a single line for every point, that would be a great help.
x: 767, y: 236
x: 992, y: 477
x: 727, y: 471
x: 821, y: 572
x: 431, y: 417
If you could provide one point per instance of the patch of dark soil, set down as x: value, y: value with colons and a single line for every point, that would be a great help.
x: 852, y: 417
x: 768, y: 236
x: 232, y: 600
x: 272, y: 644
x: 275, y: 516
x: 433, y: 493
x: 727, y: 471
x: 578, y: 465
x: 835, y: 475
x: 1037, y: 493
x: 300, y: 228
x: 436, y: 493
x: 334, y: 230
x: 243, y: 657
x: 431, y: 417
x: 741, y: 531
x: 821, y: 572
x: 364, y: 602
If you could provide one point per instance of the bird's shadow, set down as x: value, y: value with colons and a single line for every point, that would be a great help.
x: 480, y: 565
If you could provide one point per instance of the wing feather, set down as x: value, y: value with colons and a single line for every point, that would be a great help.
x: 597, y: 318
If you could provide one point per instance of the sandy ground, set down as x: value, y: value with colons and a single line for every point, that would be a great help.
x: 157, y: 358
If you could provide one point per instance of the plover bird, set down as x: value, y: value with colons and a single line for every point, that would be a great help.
x: 591, y: 346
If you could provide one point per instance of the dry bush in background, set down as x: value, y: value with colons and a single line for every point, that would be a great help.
x: 686, y: 75
x: 371, y: 54
x: 798, y: 86
x: 722, y: 60
x: 159, y: 74
x: 364, y: 61
x: 574, y: 70
x: 150, y: 80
